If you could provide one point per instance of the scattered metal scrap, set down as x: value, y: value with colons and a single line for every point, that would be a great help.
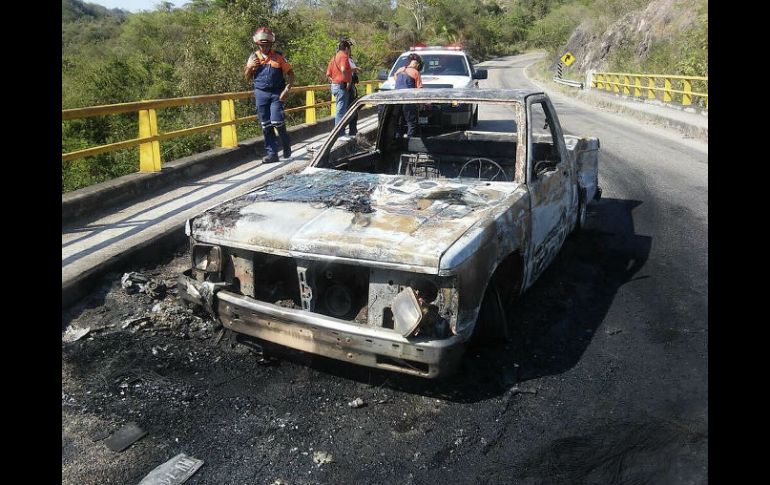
x: 125, y: 437
x: 138, y: 283
x: 72, y: 334
x: 174, y: 471
x: 138, y: 321
x: 99, y: 435
x: 322, y: 458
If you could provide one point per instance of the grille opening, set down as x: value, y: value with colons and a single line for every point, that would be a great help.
x: 387, y: 317
x: 275, y: 280
x: 339, y: 291
x: 403, y: 363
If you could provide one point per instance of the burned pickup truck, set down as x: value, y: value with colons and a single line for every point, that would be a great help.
x: 392, y: 251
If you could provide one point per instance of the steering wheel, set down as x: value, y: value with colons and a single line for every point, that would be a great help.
x: 545, y: 166
x: 481, y: 161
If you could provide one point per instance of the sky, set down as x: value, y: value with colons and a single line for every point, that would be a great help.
x: 134, y: 5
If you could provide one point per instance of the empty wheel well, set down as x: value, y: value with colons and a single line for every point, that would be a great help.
x: 493, y: 324
x: 508, y: 276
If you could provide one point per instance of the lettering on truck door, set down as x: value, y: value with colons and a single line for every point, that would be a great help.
x: 550, y: 185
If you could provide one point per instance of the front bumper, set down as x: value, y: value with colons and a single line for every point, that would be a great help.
x: 326, y: 336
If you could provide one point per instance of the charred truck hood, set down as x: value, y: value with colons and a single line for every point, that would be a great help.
x: 380, y: 220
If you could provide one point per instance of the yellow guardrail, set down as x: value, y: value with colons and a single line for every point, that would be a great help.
x: 626, y: 83
x: 149, y: 137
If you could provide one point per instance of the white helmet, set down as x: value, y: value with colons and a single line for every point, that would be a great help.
x: 264, y: 35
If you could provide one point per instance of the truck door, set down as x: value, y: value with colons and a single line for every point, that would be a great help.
x: 549, y: 179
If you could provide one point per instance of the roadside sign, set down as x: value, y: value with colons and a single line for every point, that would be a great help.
x: 567, y: 59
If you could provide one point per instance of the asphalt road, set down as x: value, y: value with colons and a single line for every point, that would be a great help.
x: 606, y: 381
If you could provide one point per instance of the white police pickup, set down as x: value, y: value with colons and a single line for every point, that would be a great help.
x: 443, y: 67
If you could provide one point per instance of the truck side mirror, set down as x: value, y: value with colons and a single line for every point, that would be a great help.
x: 480, y: 74
x: 382, y: 75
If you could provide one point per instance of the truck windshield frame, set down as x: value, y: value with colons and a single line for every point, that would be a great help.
x: 437, y: 65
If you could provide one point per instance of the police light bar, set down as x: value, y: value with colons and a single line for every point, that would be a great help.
x: 420, y: 47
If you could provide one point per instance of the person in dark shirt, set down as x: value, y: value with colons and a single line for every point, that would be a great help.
x: 408, y: 77
x: 266, y: 68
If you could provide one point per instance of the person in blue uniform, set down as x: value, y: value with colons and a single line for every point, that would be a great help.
x: 272, y: 77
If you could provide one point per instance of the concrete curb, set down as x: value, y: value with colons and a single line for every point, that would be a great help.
x: 93, y: 199
x: 78, y: 287
x: 147, y: 252
x: 604, y: 101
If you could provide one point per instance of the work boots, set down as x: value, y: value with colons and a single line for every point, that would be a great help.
x: 284, y: 136
x: 272, y: 158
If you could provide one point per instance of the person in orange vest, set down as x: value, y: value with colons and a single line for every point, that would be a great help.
x: 273, y: 78
x: 340, y: 75
x: 408, y: 77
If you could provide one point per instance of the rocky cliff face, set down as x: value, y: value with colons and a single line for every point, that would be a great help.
x: 661, y: 20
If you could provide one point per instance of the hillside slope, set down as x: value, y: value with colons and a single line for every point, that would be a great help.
x: 668, y: 36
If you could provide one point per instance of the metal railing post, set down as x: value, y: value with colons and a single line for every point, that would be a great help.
x: 626, y: 82
x: 615, y: 86
x: 687, y: 88
x: 369, y: 90
x: 651, y: 88
x: 149, y: 153
x: 229, y: 133
x: 637, y: 87
x: 310, y: 110
x: 666, y: 90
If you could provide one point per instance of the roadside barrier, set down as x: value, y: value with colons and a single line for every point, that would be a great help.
x: 651, y: 85
x: 567, y: 82
x: 150, y: 137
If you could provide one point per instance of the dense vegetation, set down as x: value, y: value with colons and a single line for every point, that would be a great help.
x: 111, y: 56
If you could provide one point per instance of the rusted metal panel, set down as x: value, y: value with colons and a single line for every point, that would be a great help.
x: 240, y: 270
x: 388, y: 219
